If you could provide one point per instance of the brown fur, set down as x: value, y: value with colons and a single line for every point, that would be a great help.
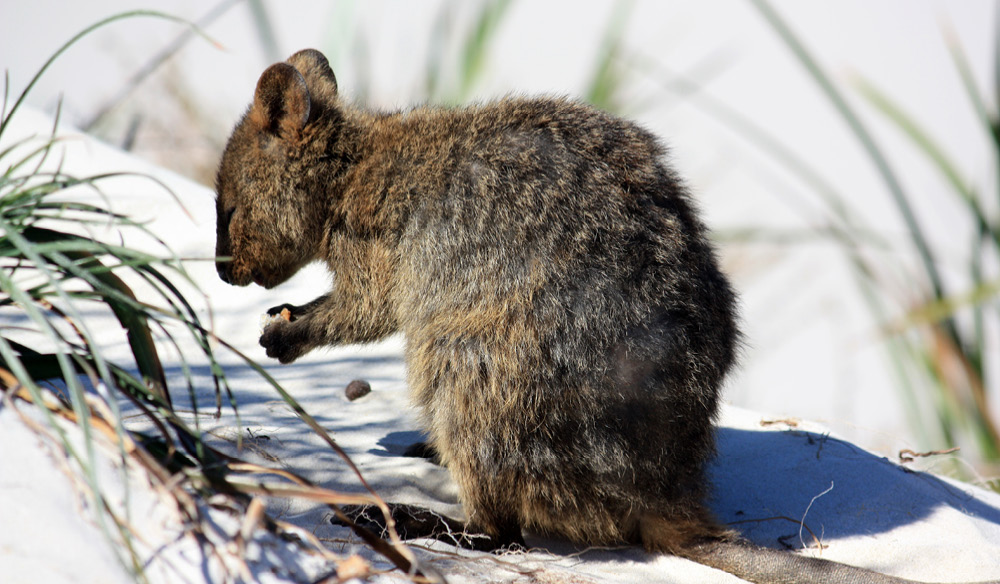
x: 567, y: 328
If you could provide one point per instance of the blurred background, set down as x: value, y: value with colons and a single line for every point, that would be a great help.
x: 844, y: 153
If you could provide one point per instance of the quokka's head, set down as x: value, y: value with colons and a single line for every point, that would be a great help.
x: 270, y: 196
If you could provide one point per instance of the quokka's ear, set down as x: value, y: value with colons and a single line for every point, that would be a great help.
x: 281, y: 103
x: 317, y: 72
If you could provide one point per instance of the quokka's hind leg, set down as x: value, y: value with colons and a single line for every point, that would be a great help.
x: 414, y: 522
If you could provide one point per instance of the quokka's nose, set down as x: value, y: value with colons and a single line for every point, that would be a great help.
x: 222, y: 267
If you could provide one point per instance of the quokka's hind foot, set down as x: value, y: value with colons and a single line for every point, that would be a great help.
x: 413, y: 522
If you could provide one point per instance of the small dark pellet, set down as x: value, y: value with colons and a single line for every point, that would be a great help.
x: 357, y: 388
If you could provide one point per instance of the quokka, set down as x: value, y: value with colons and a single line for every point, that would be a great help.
x: 567, y: 327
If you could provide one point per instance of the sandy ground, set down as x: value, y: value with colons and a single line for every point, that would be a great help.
x: 774, y: 480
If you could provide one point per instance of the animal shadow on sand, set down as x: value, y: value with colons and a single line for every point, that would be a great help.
x: 789, y: 489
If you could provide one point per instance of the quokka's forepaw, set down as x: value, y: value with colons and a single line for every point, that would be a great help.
x: 284, y: 339
x: 274, y: 315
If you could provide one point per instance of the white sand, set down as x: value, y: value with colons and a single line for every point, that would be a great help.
x: 865, y: 509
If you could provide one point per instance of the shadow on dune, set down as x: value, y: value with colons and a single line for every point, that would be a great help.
x: 833, y: 487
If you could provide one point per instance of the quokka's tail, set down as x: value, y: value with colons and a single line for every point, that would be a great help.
x: 725, y: 551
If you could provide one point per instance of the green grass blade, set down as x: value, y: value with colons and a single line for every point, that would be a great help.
x: 964, y: 71
x: 6, y: 95
x: 846, y: 224
x: 606, y: 80
x: 262, y: 25
x: 77, y: 37
x: 931, y: 150
x: 434, y: 67
x: 117, y: 295
x: 939, y: 309
x: 157, y: 60
x: 864, y: 137
x: 477, y: 44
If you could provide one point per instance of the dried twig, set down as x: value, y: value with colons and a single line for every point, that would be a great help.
x: 800, y: 522
x: 906, y: 455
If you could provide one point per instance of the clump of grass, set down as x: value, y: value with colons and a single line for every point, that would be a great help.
x: 54, y: 274
x: 937, y: 330
x: 457, y: 50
